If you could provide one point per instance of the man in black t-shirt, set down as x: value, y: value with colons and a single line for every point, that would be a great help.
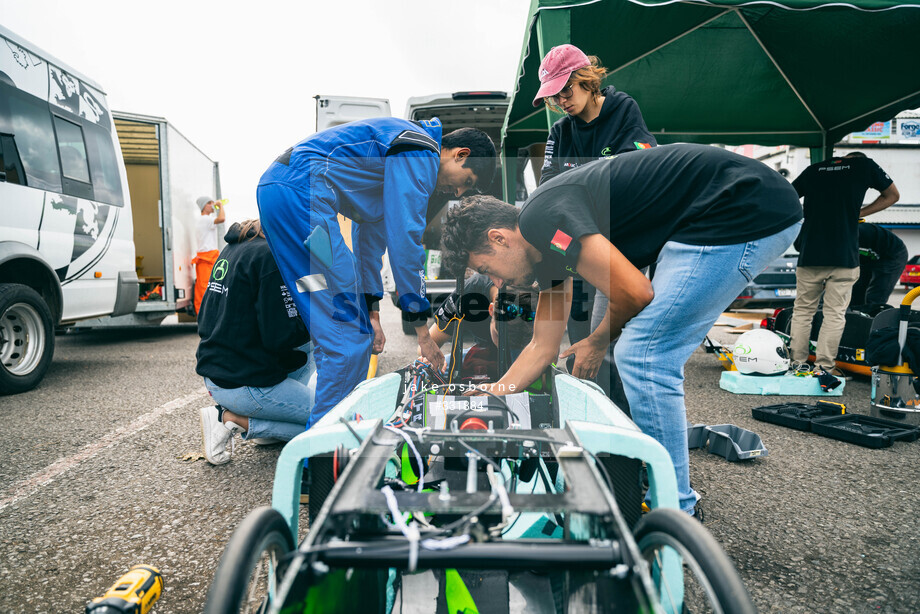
x: 829, y: 252
x: 710, y: 219
x: 882, y: 258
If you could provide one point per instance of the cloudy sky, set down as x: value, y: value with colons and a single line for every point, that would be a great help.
x: 239, y: 82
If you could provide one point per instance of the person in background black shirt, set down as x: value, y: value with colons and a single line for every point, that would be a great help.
x: 882, y: 258
x: 255, y: 353
x: 829, y: 253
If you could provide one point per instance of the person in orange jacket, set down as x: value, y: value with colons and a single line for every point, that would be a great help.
x: 212, y: 213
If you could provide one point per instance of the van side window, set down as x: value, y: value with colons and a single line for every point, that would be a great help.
x: 28, y: 121
x: 72, y: 149
x: 103, y: 165
x: 10, y: 164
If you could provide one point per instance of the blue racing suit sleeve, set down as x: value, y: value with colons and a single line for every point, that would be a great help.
x: 372, y: 239
x: 409, y: 180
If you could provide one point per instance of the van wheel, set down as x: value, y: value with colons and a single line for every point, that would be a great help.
x: 26, y: 338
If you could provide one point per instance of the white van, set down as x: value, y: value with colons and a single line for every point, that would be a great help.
x: 67, y: 229
x: 66, y: 244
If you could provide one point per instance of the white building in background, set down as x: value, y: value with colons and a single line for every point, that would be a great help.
x: 894, y: 145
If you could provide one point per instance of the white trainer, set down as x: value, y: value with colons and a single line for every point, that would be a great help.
x: 265, y: 441
x: 216, y: 435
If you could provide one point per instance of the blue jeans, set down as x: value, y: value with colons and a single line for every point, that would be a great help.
x: 693, y: 285
x: 280, y: 411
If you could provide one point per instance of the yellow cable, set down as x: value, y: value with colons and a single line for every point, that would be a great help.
x: 448, y: 322
x: 450, y: 375
x: 910, y: 296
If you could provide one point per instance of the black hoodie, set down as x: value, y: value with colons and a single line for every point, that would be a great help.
x: 619, y: 128
x: 249, y: 326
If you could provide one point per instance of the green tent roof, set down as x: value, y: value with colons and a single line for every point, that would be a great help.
x: 795, y: 72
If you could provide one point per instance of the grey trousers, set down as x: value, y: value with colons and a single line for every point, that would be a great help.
x: 836, y: 284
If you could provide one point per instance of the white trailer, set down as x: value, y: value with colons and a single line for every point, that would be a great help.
x: 166, y: 173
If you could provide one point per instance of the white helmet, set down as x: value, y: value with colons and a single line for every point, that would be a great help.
x: 760, y: 352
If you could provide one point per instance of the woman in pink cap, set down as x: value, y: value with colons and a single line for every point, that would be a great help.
x: 598, y: 123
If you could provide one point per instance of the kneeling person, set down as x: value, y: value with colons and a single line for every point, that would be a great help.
x: 255, y: 353
x: 711, y: 220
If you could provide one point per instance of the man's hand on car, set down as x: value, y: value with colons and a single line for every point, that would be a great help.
x: 428, y: 349
x: 589, y: 353
x: 483, y: 389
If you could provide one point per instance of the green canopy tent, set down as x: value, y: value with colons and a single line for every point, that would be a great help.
x: 784, y: 72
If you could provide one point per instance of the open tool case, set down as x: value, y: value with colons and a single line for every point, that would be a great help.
x: 831, y: 420
x: 797, y: 415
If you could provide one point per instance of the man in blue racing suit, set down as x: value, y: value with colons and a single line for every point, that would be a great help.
x: 380, y: 174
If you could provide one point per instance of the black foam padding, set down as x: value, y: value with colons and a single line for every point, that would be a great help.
x: 321, y: 482
x: 528, y: 468
x: 624, y: 475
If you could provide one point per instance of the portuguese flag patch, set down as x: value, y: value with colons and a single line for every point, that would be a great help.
x: 560, y: 242
x: 642, y: 145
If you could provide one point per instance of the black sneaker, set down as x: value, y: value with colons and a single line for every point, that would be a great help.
x: 827, y: 381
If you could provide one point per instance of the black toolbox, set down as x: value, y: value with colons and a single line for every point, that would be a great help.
x: 798, y: 416
x: 864, y: 430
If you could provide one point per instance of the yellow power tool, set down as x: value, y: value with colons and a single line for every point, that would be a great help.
x: 134, y: 593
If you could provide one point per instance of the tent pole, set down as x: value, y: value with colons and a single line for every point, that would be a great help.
x: 508, y: 143
x: 820, y: 154
x: 553, y: 28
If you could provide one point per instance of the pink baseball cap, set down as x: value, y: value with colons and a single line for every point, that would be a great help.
x: 556, y: 68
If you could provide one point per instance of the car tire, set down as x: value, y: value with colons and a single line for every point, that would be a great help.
x: 710, y: 580
x: 252, y: 565
x: 26, y: 338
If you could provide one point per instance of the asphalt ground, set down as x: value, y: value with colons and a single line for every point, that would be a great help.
x: 99, y: 473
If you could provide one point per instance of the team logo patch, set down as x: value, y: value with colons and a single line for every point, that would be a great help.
x: 220, y: 269
x: 642, y: 145
x: 560, y: 242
